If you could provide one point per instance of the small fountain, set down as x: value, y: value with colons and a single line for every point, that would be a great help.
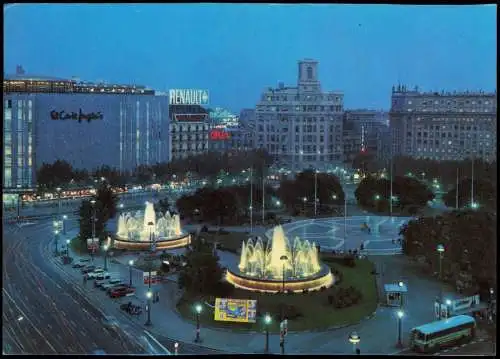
x: 262, y: 268
x: 135, y: 231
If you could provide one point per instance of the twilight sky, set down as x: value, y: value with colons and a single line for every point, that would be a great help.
x: 237, y: 50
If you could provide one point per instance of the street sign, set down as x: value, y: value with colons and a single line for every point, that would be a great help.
x: 154, y: 277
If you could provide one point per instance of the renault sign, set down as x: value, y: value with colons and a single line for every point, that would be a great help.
x: 188, y: 97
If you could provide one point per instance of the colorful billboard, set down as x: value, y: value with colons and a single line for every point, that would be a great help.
x: 92, y: 244
x: 219, y: 135
x: 188, y: 97
x: 235, y: 310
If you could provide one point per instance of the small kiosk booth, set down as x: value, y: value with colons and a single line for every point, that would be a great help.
x: 395, y: 294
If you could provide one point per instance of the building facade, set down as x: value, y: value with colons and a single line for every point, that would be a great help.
x: 301, y: 126
x: 189, y: 129
x: 443, y: 126
x: 365, y: 131
x: 86, y: 124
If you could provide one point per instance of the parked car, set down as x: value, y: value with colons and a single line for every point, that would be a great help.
x: 112, y: 283
x: 78, y: 265
x: 66, y: 260
x: 131, y: 308
x: 95, y: 273
x: 88, y: 269
x: 103, y: 275
x: 116, y: 286
x: 121, y: 292
x: 100, y: 282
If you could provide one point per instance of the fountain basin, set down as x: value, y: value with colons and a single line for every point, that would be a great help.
x: 182, y: 240
x: 323, y: 278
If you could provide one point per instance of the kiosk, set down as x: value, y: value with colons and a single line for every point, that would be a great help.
x: 395, y: 294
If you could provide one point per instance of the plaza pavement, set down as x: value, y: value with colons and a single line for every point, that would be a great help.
x: 378, y: 334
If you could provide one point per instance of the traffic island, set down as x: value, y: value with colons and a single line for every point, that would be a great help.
x: 329, y: 308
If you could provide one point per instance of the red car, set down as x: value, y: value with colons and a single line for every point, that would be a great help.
x: 122, y: 292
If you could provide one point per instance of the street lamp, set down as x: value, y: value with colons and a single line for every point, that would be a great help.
x: 354, y: 339
x: 315, y: 192
x: 130, y: 264
x: 267, y: 322
x: 283, y: 259
x: 58, y: 200
x: 198, y: 309
x: 93, y: 229
x: 400, y: 315
x: 440, y: 250
x: 67, y: 247
x: 149, y: 295
x: 105, y: 247
x: 56, y: 238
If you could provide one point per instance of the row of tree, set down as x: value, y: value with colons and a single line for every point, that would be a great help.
x: 104, y: 209
x: 470, y: 242
x: 484, y: 192
x: 206, y: 165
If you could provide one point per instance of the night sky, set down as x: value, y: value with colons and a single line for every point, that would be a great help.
x: 236, y: 50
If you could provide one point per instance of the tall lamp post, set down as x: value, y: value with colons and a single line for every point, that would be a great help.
x: 456, y: 192
x: 267, y: 322
x: 56, y: 239
x: 263, y: 199
x: 345, y: 220
x: 67, y: 247
x: 149, y: 295
x: 65, y: 217
x: 150, y: 224
x: 93, y: 230
x: 130, y: 264
x: 198, y: 309
x: 283, y: 260
x: 354, y: 339
x: 440, y: 250
x: 251, y: 199
x: 400, y: 314
x: 58, y: 200
x: 315, y: 192
x: 105, y: 247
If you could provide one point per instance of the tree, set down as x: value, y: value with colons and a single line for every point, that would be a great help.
x: 470, y: 242
x: 50, y: 176
x: 202, y: 274
x: 364, y: 161
x: 373, y: 193
x: 85, y: 220
x: 485, y: 194
x: 328, y: 190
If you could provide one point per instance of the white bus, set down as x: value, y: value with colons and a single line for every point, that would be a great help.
x: 433, y: 336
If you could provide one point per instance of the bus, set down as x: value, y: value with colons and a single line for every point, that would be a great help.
x: 433, y: 336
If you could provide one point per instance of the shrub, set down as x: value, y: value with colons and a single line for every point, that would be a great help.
x: 322, y: 289
x: 331, y: 298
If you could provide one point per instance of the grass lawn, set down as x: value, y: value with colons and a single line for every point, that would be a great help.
x: 317, y: 313
x: 230, y: 242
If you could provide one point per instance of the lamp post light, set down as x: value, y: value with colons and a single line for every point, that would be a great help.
x: 315, y: 192
x: 198, y: 309
x: 176, y: 348
x: 283, y: 259
x: 130, y: 264
x: 149, y: 295
x: 400, y: 315
x: 440, y: 250
x: 56, y: 239
x: 67, y: 247
x: 354, y: 339
x: 65, y: 217
x: 251, y: 199
x: 105, y: 247
x: 267, y: 322
x: 448, y: 307
x: 93, y: 229
x: 58, y: 200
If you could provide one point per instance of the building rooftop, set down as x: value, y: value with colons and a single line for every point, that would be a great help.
x: 24, y: 77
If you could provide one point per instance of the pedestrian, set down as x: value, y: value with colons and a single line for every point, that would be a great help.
x: 157, y: 297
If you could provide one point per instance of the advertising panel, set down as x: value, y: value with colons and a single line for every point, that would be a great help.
x: 219, y: 135
x: 235, y: 310
x: 188, y: 97
x: 92, y: 244
x: 154, y: 277
x: 191, y: 117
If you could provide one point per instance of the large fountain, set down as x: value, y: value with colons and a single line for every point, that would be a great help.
x: 279, y: 264
x: 136, y: 231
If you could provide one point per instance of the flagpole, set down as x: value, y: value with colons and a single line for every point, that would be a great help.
x: 472, y: 185
x: 251, y: 200
x: 456, y: 193
x: 263, y: 199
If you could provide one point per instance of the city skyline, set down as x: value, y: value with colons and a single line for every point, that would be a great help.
x: 372, y: 47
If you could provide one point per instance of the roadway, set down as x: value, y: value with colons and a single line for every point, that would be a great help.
x: 47, y: 311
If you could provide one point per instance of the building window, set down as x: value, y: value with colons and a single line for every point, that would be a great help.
x: 309, y: 73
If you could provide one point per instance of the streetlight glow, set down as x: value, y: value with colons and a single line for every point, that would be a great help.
x: 65, y: 217
x: 448, y: 302
x: 400, y: 314
x: 67, y: 241
x: 131, y: 262
x: 149, y: 294
x: 267, y: 319
x: 440, y: 248
x: 198, y: 308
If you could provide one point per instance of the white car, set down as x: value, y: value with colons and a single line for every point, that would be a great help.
x: 95, y: 273
x: 111, y: 283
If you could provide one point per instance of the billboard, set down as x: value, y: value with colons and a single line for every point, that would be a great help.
x: 235, y: 310
x: 188, y: 97
x: 154, y: 277
x: 219, y: 135
x: 192, y: 117
x: 92, y: 244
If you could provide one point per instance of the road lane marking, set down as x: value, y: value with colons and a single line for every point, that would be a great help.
x: 166, y: 351
x: 28, y: 319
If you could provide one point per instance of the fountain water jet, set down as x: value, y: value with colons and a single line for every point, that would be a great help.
x: 261, y: 268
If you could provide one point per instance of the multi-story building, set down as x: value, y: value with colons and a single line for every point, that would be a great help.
x: 189, y: 129
x: 443, y: 126
x: 301, y: 126
x: 364, y: 130
x: 86, y: 124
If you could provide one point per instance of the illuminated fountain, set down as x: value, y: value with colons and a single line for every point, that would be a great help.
x: 268, y: 266
x: 135, y: 231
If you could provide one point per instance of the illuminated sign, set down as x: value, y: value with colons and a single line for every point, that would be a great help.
x: 80, y: 116
x: 235, y: 310
x: 194, y: 117
x: 188, y: 97
x: 92, y: 244
x: 219, y: 135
